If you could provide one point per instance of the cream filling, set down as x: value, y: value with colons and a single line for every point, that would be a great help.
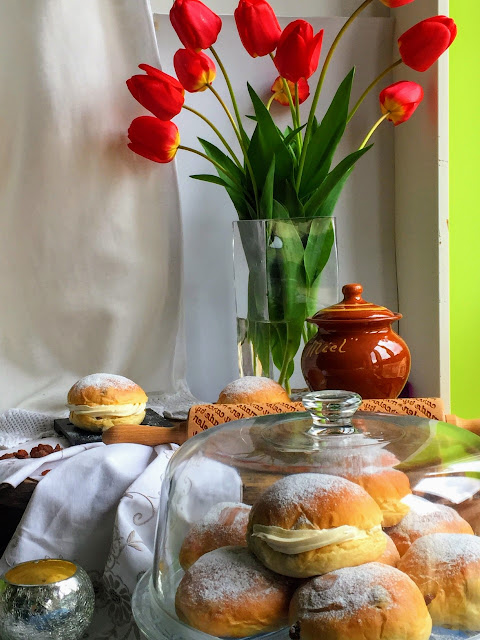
x: 293, y: 541
x: 102, y: 410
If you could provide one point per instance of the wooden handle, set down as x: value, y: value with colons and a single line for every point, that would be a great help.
x: 143, y: 434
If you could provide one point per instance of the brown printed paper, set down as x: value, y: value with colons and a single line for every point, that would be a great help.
x: 204, y: 416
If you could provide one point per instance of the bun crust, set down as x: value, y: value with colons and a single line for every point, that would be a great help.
x: 228, y: 593
x: 446, y: 568
x: 311, y: 501
x: 252, y: 390
x: 105, y: 390
x: 355, y: 603
x: 225, y: 525
x: 387, y: 487
x: 424, y: 518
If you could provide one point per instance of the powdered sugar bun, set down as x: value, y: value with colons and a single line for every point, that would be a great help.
x: 329, y: 523
x: 224, y: 525
x: 229, y: 593
x: 101, y: 400
x: 355, y: 603
x: 387, y: 487
x: 424, y: 518
x: 446, y: 568
x: 253, y: 389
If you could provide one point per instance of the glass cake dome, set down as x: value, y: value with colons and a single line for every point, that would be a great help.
x: 318, y: 524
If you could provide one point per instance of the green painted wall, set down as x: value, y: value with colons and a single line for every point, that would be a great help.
x: 464, y: 214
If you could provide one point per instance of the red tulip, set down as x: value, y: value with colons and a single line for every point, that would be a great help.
x: 425, y: 42
x: 393, y: 4
x: 159, y: 93
x: 400, y: 100
x: 257, y: 26
x: 194, y: 69
x: 298, y: 51
x: 281, y: 96
x: 154, y: 139
x: 196, y: 25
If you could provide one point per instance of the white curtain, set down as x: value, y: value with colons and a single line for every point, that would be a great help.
x: 90, y: 233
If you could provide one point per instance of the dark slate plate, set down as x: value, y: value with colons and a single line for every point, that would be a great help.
x: 76, y: 436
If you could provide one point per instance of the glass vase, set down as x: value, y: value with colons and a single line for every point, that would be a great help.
x: 285, y: 271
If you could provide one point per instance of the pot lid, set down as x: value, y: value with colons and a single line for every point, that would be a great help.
x: 354, y: 307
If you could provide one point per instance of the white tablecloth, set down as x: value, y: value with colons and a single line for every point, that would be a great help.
x: 98, y: 507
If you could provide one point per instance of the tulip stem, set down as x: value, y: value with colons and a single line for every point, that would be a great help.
x: 240, y: 142
x: 210, y: 124
x: 288, y: 93
x: 370, y: 87
x: 230, y: 88
x: 217, y: 165
x: 269, y: 103
x: 373, y: 129
x: 318, y: 90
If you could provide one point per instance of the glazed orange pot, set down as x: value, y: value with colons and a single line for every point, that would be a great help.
x: 356, y: 349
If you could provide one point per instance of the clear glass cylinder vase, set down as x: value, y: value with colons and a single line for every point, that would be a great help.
x: 285, y: 271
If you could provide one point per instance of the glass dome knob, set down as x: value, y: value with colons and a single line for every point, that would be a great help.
x: 332, y: 411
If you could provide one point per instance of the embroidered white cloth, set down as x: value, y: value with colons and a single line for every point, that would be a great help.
x: 107, y: 522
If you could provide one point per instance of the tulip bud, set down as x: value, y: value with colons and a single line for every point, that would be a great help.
x: 393, y: 4
x: 159, y: 93
x: 194, y: 69
x: 154, y: 139
x: 424, y: 43
x: 400, y: 100
x: 298, y: 51
x: 196, y: 25
x: 279, y: 90
x: 257, y: 26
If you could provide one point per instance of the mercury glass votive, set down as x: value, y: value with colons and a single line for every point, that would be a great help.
x: 50, y: 599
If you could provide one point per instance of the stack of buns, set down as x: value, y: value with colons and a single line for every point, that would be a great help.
x: 314, y: 551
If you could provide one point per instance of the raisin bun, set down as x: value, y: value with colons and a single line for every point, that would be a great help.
x: 224, y: 525
x: 373, y: 601
x: 308, y: 524
x: 102, y: 400
x: 228, y: 593
x: 251, y: 390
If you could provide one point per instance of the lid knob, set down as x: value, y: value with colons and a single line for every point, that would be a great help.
x: 352, y: 292
x: 332, y: 411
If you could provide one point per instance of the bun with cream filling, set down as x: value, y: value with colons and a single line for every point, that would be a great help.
x: 102, y: 400
x: 308, y: 524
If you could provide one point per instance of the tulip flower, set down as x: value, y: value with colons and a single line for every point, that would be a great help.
x: 298, y: 51
x: 159, y: 93
x: 393, y: 4
x: 194, y: 69
x: 279, y: 90
x: 257, y: 26
x: 399, y: 101
x: 154, y: 139
x: 196, y: 25
x: 424, y: 43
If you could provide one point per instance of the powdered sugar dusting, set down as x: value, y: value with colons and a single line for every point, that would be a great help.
x: 443, y: 549
x: 248, y: 384
x: 345, y: 592
x: 228, y: 574
x: 303, y: 487
x: 424, y: 517
x: 231, y: 516
x: 102, y: 380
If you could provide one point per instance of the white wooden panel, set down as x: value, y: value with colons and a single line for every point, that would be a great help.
x: 421, y: 193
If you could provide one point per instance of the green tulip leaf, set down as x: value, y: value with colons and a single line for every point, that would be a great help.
x: 279, y: 211
x: 323, y: 200
x: 324, y: 141
x: 221, y: 158
x: 266, y: 200
x: 319, y: 247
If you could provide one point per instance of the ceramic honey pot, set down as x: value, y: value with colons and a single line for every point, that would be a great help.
x: 356, y: 349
